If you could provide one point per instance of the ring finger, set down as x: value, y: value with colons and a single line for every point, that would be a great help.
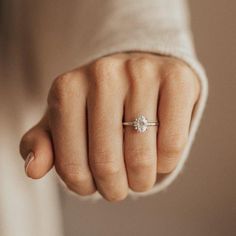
x: 140, y: 148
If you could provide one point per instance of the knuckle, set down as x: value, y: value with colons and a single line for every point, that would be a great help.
x: 169, y: 152
x: 177, y: 67
x: 140, y: 159
x: 116, y: 197
x: 103, y: 63
x: 179, y: 73
x: 140, y: 62
x: 73, y: 176
x: 141, y: 186
x: 138, y: 66
x: 172, y: 149
x: 103, y: 69
x: 83, y: 191
x: 64, y: 86
x: 104, y: 170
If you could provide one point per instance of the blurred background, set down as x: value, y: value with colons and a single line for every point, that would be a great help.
x: 202, y: 201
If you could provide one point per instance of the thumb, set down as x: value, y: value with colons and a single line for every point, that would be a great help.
x: 36, y: 149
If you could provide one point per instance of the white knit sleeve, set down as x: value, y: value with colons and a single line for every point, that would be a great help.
x: 156, y: 26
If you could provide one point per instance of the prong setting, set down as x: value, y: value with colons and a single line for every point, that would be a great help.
x: 141, y: 124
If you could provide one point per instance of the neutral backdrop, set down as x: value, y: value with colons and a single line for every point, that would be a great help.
x: 202, y: 201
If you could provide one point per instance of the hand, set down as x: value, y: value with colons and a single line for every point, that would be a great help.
x: 81, y: 133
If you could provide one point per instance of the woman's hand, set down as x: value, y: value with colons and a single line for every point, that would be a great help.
x: 82, y: 132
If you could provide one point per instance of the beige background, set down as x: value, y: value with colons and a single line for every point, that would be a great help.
x: 202, y: 201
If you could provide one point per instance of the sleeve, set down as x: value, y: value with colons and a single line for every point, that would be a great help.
x: 156, y: 26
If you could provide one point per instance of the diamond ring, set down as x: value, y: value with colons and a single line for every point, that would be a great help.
x: 141, y: 123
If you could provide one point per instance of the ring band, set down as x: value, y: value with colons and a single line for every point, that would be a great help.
x: 141, y: 123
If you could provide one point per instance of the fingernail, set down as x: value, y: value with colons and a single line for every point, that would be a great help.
x: 28, y: 160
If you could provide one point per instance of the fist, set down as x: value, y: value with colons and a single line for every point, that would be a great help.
x: 82, y: 134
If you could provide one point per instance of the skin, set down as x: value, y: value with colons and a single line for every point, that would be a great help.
x: 81, y: 133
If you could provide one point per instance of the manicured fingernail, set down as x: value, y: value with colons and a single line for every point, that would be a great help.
x: 28, y: 160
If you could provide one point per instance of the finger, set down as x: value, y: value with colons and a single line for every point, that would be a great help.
x: 177, y: 99
x: 140, y: 148
x: 67, y: 112
x: 105, y: 112
x: 36, y: 149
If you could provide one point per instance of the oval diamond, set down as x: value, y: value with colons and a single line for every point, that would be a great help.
x: 141, y: 124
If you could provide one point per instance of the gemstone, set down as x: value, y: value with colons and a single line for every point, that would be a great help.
x: 141, y: 124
